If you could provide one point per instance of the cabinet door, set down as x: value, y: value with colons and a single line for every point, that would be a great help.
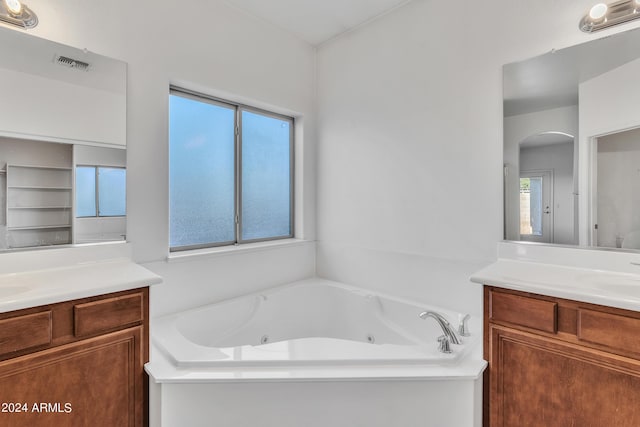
x: 95, y: 382
x: 537, y: 381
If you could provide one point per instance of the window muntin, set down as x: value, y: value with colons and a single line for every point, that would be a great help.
x: 100, y: 191
x: 231, y: 173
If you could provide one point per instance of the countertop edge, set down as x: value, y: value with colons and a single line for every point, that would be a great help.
x: 110, y: 277
x: 559, y: 289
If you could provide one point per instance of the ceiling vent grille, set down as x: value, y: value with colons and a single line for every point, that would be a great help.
x: 72, y: 63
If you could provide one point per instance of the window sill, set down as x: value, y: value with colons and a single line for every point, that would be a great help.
x: 234, y: 249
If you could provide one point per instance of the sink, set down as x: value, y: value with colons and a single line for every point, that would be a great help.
x: 8, y: 291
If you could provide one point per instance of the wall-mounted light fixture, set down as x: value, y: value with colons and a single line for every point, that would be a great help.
x: 15, y: 12
x: 603, y: 15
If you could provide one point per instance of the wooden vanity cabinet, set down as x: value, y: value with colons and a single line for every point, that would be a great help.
x: 76, y: 363
x: 556, y: 362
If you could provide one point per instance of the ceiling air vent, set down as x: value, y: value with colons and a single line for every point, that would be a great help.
x: 72, y: 63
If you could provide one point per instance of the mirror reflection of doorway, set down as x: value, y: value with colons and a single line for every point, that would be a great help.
x: 615, y: 210
x: 536, y: 200
x: 547, y: 188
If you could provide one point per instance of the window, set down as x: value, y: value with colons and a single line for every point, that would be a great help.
x: 230, y: 173
x: 100, y: 191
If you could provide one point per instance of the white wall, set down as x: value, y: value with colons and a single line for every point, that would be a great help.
x: 34, y: 153
x: 559, y: 159
x: 517, y: 129
x: 608, y: 104
x: 410, y: 141
x: 618, y: 187
x: 100, y: 156
x: 213, y: 47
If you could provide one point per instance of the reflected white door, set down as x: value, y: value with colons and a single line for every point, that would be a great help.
x: 536, y: 206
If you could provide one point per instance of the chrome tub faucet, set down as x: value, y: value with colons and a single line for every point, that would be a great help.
x: 449, y: 332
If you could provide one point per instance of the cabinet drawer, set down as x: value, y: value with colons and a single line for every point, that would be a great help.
x: 524, y: 311
x: 108, y: 314
x: 608, y: 329
x: 23, y: 332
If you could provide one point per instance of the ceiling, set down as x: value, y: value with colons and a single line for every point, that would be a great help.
x: 316, y: 21
x: 551, y: 80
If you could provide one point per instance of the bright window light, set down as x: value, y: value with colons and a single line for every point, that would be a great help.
x: 230, y: 173
x: 100, y: 191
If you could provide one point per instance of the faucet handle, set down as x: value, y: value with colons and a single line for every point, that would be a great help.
x: 445, y: 344
x: 463, y: 328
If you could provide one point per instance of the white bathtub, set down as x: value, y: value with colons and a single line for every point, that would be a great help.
x: 278, y: 345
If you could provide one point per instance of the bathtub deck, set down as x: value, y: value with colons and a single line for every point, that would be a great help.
x: 161, y: 370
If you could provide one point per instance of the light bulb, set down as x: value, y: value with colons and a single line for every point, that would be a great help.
x: 598, y: 12
x: 14, y: 6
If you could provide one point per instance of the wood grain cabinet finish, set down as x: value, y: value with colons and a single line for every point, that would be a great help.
x: 25, y: 332
x: 522, y: 311
x: 92, y: 378
x: 583, y: 372
x: 107, y: 314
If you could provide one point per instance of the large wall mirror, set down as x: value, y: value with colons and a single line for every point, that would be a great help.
x: 572, y: 145
x: 62, y: 144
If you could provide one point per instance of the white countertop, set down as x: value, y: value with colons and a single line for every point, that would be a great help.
x: 35, y: 287
x: 614, y: 281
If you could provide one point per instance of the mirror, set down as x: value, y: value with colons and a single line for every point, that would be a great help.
x: 62, y: 144
x: 572, y: 145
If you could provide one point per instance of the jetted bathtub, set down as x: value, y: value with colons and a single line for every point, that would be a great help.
x: 346, y: 355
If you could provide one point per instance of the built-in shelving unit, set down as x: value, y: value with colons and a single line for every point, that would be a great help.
x: 39, y: 205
